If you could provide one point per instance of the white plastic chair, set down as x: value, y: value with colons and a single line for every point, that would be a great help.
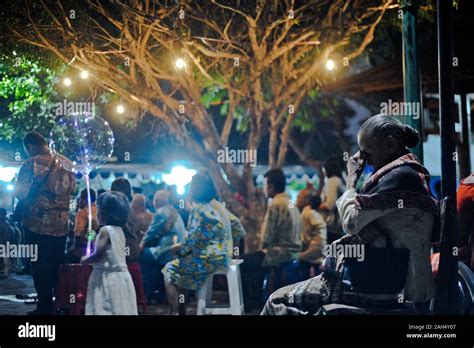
x: 236, y: 300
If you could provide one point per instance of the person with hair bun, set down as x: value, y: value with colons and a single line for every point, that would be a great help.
x: 394, y: 200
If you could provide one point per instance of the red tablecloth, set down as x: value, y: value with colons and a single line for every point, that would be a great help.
x: 73, y: 278
x: 71, y: 290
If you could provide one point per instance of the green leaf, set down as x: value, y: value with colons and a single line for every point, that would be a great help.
x: 224, y: 108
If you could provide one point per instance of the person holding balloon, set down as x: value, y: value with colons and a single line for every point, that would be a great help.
x: 110, y: 290
x: 44, y: 189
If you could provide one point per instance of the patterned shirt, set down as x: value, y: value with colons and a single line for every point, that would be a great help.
x: 207, y: 248
x: 81, y: 224
x: 46, y: 197
x: 210, y: 233
x: 238, y: 231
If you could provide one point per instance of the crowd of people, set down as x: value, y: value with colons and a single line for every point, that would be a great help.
x: 182, y: 242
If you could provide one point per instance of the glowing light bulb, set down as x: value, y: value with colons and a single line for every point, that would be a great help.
x: 7, y: 174
x: 67, y: 81
x: 84, y: 74
x: 330, y: 65
x: 179, y: 176
x: 120, y: 109
x: 180, y: 63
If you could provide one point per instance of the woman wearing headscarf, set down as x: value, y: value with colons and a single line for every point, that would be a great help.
x: 395, y: 200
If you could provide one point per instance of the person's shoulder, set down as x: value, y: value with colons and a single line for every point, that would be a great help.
x: 200, y: 210
x: 318, y: 217
x: 306, y: 212
x: 315, y: 213
x: 406, y: 178
x: 278, y: 206
x: 205, y: 214
x: 63, y: 160
x: 465, y: 192
x: 111, y: 229
x: 28, y: 164
x: 334, y: 179
x: 404, y: 173
x: 172, y: 209
x: 281, y: 199
x: 106, y: 230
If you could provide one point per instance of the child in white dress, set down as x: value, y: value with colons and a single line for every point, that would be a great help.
x: 110, y: 290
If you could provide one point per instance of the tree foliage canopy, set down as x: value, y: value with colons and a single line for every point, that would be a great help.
x: 27, y: 88
x: 258, y: 60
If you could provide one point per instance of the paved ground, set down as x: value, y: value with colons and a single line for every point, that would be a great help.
x: 15, y: 284
x: 23, y: 284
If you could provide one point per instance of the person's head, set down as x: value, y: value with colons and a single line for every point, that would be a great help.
x: 202, y: 188
x: 274, y: 182
x: 3, y: 214
x: 122, y: 185
x: 314, y: 201
x: 100, y: 191
x: 332, y: 166
x: 138, y: 203
x: 304, y: 195
x: 113, y: 209
x: 382, y: 138
x: 34, y: 143
x: 83, y: 197
x: 161, y: 198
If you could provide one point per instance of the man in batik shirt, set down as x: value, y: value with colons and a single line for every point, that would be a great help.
x: 44, y: 188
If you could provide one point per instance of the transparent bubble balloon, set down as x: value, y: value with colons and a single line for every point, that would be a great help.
x: 82, y: 142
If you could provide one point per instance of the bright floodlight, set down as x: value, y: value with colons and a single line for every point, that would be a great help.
x: 7, y: 174
x: 179, y: 176
x: 330, y: 65
x: 67, y: 81
x: 84, y: 74
x: 180, y: 63
x: 10, y: 187
x: 120, y: 109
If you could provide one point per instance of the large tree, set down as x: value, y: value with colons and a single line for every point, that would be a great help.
x: 258, y: 58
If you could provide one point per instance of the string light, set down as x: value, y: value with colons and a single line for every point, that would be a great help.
x: 120, y: 109
x: 84, y: 74
x: 67, y: 82
x: 180, y: 63
x: 330, y: 65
